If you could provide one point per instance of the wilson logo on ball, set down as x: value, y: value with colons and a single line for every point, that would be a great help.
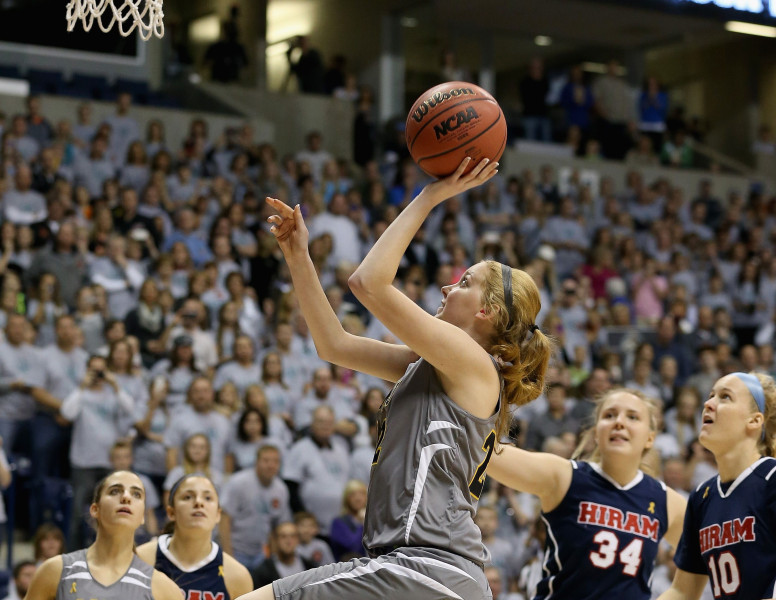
x: 437, y: 99
x: 452, y: 123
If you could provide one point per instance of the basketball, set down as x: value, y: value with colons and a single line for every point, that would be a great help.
x: 451, y: 121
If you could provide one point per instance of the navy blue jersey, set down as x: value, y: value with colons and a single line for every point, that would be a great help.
x: 730, y: 534
x: 602, y: 538
x: 204, y: 581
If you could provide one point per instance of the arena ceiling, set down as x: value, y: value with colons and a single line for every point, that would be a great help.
x: 573, y: 25
x: 579, y: 21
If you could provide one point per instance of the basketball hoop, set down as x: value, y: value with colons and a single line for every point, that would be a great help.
x: 145, y: 15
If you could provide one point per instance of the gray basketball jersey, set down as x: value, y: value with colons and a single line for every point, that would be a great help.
x: 77, y: 582
x: 428, y: 470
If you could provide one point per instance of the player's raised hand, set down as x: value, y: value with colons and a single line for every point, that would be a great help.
x: 288, y: 228
x: 458, y: 182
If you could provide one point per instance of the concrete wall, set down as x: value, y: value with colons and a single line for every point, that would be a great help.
x: 252, y: 28
x: 719, y: 82
x: 294, y: 115
x: 176, y: 122
x: 688, y: 180
x: 280, y: 119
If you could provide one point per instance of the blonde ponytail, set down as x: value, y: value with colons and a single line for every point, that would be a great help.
x: 767, y: 445
x: 522, y: 348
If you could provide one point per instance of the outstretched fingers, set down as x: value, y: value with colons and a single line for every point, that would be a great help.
x: 283, y: 209
x: 283, y: 223
x: 462, y: 167
x: 483, y: 170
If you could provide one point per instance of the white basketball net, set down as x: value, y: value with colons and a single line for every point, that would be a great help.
x: 145, y: 15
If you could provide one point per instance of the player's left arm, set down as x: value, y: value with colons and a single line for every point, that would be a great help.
x: 237, y: 578
x: 458, y: 358
x: 45, y: 580
x: 676, y: 509
x: 686, y: 586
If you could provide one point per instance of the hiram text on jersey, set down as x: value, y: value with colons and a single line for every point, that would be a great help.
x: 197, y: 595
x: 610, y: 517
x: 730, y: 532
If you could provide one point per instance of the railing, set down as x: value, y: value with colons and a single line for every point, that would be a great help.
x: 713, y: 156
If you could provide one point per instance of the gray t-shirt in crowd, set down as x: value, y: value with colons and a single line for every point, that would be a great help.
x: 64, y: 370
x: 285, y: 570
x: 316, y: 551
x: 254, y: 509
x: 178, y: 381
x: 92, y: 173
x: 303, y: 410
x: 92, y: 326
x: 321, y: 473
x: 213, y: 424
x: 19, y: 363
x: 119, y: 282
x: 24, y: 208
x: 297, y: 371
x: 361, y: 463
x: 149, y: 455
x: 137, y: 389
x: 100, y: 417
x: 278, y: 397
x: 244, y: 453
x: 242, y: 377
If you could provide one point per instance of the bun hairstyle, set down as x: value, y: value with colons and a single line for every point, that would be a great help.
x: 523, y: 350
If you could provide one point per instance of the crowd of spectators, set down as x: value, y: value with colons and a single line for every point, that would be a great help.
x: 149, y: 320
x: 598, y: 117
x: 601, y: 117
x: 606, y: 118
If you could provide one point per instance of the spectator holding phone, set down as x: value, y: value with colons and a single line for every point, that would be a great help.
x: 99, y: 410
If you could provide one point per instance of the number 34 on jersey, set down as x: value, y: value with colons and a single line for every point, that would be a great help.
x: 608, y: 549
